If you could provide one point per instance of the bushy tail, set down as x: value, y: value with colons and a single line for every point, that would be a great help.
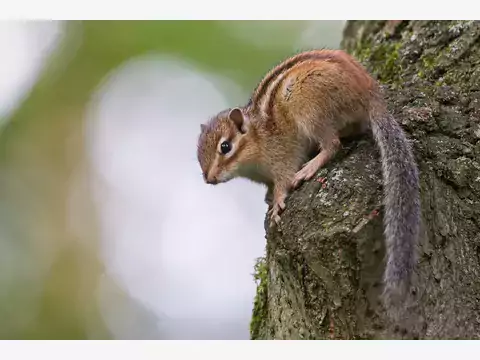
x: 402, y: 205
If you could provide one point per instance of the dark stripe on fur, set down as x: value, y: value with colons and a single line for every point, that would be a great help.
x: 320, y: 55
x: 262, y: 88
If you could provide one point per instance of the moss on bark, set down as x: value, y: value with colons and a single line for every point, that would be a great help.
x: 324, y: 265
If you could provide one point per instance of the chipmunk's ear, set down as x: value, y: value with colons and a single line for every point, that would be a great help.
x: 202, y: 127
x: 239, y: 119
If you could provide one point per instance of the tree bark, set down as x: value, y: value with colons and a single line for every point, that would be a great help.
x: 322, y: 274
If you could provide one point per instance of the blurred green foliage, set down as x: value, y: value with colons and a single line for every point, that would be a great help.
x: 49, y: 274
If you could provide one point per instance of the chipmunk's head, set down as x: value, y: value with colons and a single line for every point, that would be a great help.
x: 223, y: 145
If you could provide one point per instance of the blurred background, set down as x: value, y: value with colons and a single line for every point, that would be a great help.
x: 107, y: 230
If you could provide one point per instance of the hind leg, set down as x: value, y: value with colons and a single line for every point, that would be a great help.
x: 330, y: 146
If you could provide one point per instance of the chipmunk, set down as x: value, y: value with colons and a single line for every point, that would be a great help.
x: 308, y: 103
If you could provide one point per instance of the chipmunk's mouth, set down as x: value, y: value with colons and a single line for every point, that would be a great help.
x: 220, y: 178
x: 216, y: 180
x: 224, y: 177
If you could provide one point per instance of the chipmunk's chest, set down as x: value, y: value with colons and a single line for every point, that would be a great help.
x: 255, y: 172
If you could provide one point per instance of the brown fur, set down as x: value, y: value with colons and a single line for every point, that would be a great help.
x: 309, y: 102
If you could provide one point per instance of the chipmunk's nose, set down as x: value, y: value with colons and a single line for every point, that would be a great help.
x: 212, y: 180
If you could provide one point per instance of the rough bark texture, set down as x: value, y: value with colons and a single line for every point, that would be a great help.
x: 321, y: 277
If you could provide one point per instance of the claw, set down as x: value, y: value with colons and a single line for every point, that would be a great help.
x: 274, y: 213
x: 310, y: 168
x: 307, y: 171
x: 274, y: 220
x: 279, y: 195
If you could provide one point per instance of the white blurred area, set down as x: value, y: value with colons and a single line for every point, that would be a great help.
x: 186, y: 250
x: 29, y: 45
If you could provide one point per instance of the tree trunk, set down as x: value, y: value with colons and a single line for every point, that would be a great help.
x: 322, y: 274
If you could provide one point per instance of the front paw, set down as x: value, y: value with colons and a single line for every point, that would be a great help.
x: 274, y: 213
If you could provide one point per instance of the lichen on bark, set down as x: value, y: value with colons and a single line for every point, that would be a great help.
x: 323, y: 267
x: 259, y: 314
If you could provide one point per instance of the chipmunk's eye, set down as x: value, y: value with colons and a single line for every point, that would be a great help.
x: 225, y: 147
